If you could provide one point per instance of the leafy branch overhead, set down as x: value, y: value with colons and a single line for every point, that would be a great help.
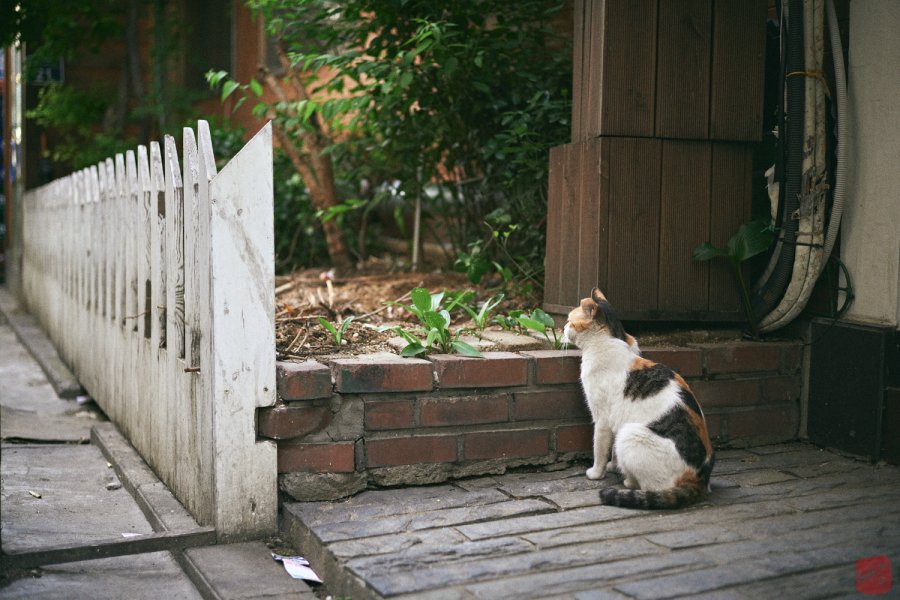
x: 466, y: 96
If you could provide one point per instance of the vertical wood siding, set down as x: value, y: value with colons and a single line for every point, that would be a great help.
x: 664, y: 92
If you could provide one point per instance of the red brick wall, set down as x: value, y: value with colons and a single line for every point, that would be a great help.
x: 424, y: 420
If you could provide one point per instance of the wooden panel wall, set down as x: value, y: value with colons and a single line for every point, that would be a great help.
x: 738, y: 50
x: 657, y: 84
x: 682, y: 74
x: 684, y: 224
x: 632, y: 251
x: 614, y: 77
x: 685, y: 69
x: 626, y: 214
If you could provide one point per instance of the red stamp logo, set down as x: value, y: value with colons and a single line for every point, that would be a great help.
x: 873, y: 575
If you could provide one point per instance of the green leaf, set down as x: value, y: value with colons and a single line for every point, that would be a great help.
x: 256, y: 87
x: 532, y: 324
x: 328, y: 327
x: 751, y: 239
x: 229, y: 88
x: 214, y: 78
x: 707, y: 251
x: 540, y: 315
x: 421, y: 300
x: 436, y: 300
x: 436, y: 320
x: 466, y: 349
x: 413, y: 350
x: 346, y: 324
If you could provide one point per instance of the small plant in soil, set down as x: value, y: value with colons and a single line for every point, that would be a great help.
x: 542, y: 323
x: 482, y: 316
x: 336, y: 331
x: 510, y: 321
x: 434, y: 317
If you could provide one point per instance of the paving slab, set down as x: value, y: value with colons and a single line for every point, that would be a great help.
x: 139, y: 577
x: 29, y: 333
x: 30, y: 410
x: 54, y: 494
x: 72, y: 487
x: 775, y: 514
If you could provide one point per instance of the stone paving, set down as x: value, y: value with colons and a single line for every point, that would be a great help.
x: 787, y: 520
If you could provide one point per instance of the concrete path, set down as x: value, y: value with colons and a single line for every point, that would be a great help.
x: 30, y: 410
x: 785, y: 521
x: 62, y: 494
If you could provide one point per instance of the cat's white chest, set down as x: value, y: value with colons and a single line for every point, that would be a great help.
x: 601, y: 390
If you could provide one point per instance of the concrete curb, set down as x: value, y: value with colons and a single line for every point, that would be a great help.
x: 39, y: 345
x: 235, y: 571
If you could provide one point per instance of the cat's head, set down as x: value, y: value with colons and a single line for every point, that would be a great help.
x: 594, y: 316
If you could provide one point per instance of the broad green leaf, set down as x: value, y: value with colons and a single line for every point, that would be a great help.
x: 540, y: 315
x: 466, y: 349
x: 750, y: 240
x: 532, y: 324
x: 436, y: 300
x: 421, y: 300
x: 256, y: 87
x: 229, y: 88
x: 707, y: 251
x: 413, y: 350
x: 436, y: 320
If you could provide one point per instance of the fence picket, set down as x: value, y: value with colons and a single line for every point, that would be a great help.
x: 145, y: 220
x: 174, y: 250
x: 121, y: 203
x: 131, y: 274
x: 191, y: 250
x: 157, y: 247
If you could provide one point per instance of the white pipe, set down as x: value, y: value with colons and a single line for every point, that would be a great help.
x: 840, y: 172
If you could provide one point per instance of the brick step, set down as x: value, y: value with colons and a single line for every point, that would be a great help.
x: 383, y: 420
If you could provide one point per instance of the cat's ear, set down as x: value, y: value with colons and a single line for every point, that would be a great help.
x: 597, y: 296
x: 612, y: 320
x: 589, y: 308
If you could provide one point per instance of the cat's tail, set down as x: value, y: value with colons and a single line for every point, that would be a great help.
x: 691, y: 486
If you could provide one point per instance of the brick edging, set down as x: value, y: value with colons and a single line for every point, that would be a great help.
x: 392, y: 420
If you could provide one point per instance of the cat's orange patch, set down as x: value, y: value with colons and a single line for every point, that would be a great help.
x: 700, y: 425
x: 641, y: 363
x: 580, y: 318
x: 680, y: 380
x: 688, y: 479
x: 629, y: 340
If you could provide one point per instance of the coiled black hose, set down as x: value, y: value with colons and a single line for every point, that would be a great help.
x: 767, y: 295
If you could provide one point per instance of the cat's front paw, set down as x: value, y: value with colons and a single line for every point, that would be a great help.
x: 612, y: 467
x: 595, y: 472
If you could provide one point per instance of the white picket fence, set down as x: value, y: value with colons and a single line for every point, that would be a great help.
x: 156, y: 283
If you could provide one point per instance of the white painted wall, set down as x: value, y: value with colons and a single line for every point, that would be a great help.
x: 871, y: 229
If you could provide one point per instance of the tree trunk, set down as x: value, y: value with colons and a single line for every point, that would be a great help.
x: 314, y: 166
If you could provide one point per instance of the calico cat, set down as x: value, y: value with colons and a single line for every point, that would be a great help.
x: 661, y: 442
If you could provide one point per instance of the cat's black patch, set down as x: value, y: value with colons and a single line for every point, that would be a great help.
x: 612, y: 320
x: 678, y: 427
x: 688, y: 398
x: 705, y: 470
x: 643, y: 383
